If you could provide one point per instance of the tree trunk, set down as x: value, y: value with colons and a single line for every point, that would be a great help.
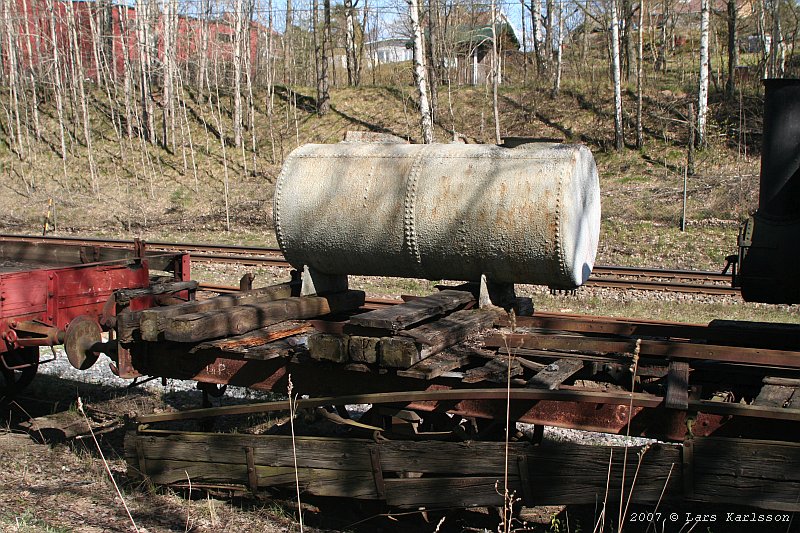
x: 59, y: 86
x: 559, y: 53
x: 627, y: 47
x: 238, y: 40
x: 419, y: 73
x: 288, y: 50
x: 535, y: 30
x: 548, y: 35
x: 776, y: 56
x: 524, y: 46
x: 702, y: 91
x: 733, y: 50
x: 430, y: 50
x: 168, y: 103
x: 640, y: 77
x: 615, y: 67
x: 495, y: 75
x: 202, y: 68
x: 323, y: 83
x: 350, y: 42
x: 143, y: 42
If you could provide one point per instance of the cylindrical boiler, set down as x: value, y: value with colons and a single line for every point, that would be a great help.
x: 529, y: 214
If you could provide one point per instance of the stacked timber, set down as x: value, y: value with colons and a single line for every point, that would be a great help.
x: 404, y: 335
x: 228, y: 315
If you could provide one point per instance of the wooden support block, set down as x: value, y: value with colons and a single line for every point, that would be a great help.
x: 402, y: 316
x: 437, y: 364
x: 153, y: 321
x: 398, y: 352
x: 364, y: 349
x: 124, y: 296
x: 554, y: 374
x: 196, y: 327
x: 128, y: 326
x: 323, y: 346
x: 414, y: 345
x: 775, y: 396
x: 677, y: 396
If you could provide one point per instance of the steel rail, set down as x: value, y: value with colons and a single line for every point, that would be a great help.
x: 604, y: 276
x: 449, y: 395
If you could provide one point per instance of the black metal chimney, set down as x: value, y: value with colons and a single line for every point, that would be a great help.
x: 779, y: 193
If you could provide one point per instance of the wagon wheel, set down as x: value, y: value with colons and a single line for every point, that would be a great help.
x: 12, y: 381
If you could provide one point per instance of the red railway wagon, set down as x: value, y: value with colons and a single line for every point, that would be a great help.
x: 69, y: 294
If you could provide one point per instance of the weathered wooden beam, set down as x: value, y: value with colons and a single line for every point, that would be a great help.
x: 128, y: 326
x: 554, y: 374
x: 364, y: 349
x: 759, y: 473
x: 399, y: 317
x: 495, y: 371
x: 243, y: 344
x: 414, y: 345
x: 124, y: 296
x: 677, y: 396
x: 153, y: 321
x: 437, y: 364
x: 775, y: 396
x: 197, y: 327
x: 684, y: 350
x: 327, y: 347
x: 460, y: 474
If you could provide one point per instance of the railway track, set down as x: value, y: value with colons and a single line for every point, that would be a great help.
x: 606, y: 276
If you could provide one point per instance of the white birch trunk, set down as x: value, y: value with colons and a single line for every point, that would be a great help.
x: 615, y: 67
x: 702, y: 91
x: 237, y: 72
x: 419, y: 73
x: 58, y: 85
x: 495, y: 75
x: 640, y: 77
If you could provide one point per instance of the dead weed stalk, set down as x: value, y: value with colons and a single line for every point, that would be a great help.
x: 105, y: 464
x: 292, y: 413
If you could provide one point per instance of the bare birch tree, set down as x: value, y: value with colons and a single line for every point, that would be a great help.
x: 238, y: 41
x: 143, y: 45
x: 559, y: 51
x: 702, y: 91
x: 640, y: 77
x: 323, y: 83
x: 419, y: 73
x: 495, y: 74
x: 615, y: 69
x: 733, y: 49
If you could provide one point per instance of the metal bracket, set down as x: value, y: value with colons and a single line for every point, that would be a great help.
x: 313, y: 282
x: 497, y: 294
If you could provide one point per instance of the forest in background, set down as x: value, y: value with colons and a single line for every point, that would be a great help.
x: 181, y: 112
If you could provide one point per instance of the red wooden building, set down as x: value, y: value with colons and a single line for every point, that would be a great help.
x: 103, y: 30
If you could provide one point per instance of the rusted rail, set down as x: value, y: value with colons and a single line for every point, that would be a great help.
x: 605, y: 276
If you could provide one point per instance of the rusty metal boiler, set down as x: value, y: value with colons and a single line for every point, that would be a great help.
x: 529, y: 214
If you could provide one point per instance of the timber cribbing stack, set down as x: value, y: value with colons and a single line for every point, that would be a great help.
x: 724, y: 393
